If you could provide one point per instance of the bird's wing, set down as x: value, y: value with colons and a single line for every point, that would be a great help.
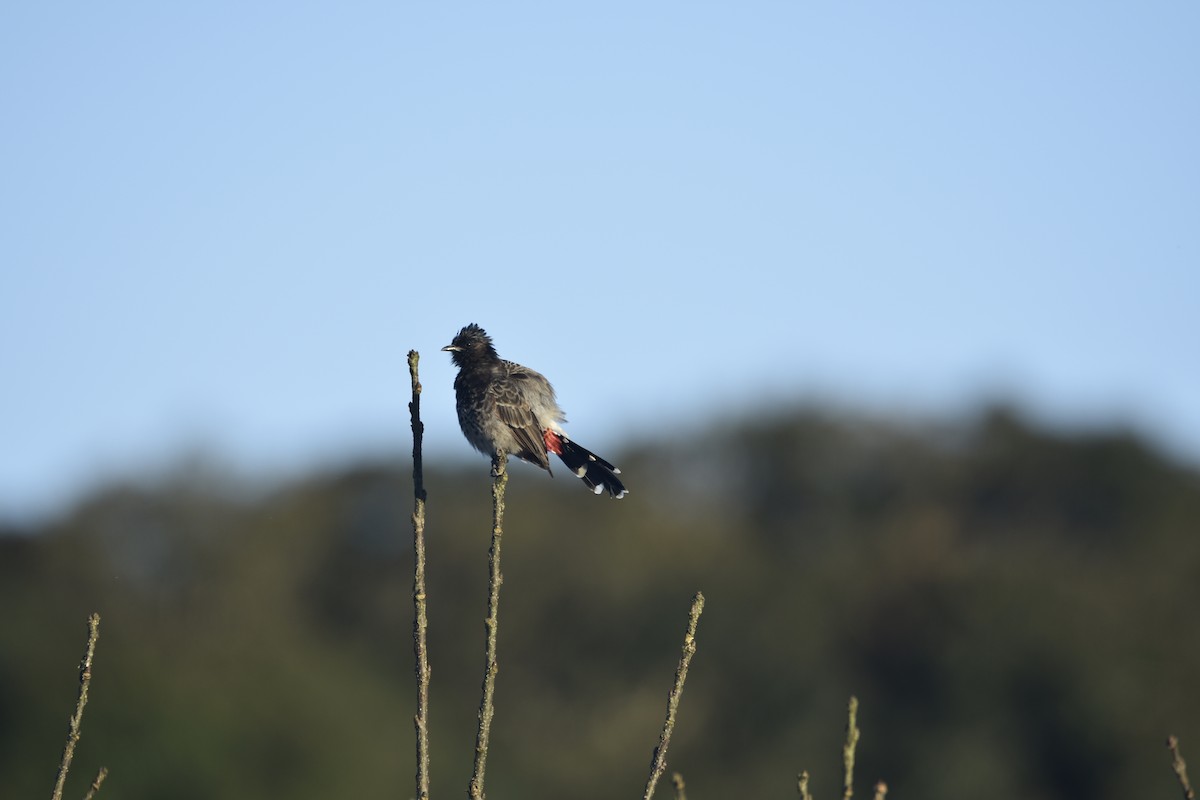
x: 512, y: 404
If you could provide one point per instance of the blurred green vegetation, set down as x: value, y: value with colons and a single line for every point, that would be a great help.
x: 1017, y: 609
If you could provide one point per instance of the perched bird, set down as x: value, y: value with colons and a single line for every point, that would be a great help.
x: 505, y: 407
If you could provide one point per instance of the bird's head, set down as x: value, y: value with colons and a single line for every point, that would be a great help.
x: 471, y: 344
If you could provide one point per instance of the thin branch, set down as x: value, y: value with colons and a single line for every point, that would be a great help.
x: 85, y: 680
x: 802, y: 786
x: 490, y: 667
x: 680, y: 786
x: 95, y: 787
x: 848, y: 749
x: 659, y: 763
x: 420, y: 619
x: 1180, y: 767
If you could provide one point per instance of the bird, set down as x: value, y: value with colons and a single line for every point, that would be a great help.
x: 504, y: 407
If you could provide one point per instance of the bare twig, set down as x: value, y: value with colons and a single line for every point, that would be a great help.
x: 85, y: 680
x: 659, y: 763
x: 680, y: 786
x: 1180, y: 767
x: 420, y: 618
x: 802, y: 786
x: 95, y: 787
x: 490, y: 668
x: 848, y: 749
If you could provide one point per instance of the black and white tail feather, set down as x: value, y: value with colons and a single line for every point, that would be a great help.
x: 596, y: 473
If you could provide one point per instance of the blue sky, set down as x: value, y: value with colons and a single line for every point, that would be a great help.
x: 222, y: 226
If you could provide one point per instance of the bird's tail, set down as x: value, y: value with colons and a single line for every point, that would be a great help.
x: 594, y: 471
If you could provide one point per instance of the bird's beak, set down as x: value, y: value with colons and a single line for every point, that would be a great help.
x: 451, y: 349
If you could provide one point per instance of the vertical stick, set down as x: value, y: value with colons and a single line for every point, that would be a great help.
x: 1180, y: 767
x: 802, y: 786
x: 420, y: 619
x: 85, y: 680
x: 680, y: 786
x: 849, y: 747
x: 491, y: 667
x: 95, y: 787
x: 659, y: 763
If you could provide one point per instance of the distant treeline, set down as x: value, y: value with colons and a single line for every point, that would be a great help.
x: 1017, y: 610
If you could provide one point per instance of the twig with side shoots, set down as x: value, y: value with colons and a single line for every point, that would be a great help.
x: 848, y: 751
x: 85, y: 680
x: 659, y: 763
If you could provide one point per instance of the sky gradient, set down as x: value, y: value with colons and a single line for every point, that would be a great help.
x: 222, y: 227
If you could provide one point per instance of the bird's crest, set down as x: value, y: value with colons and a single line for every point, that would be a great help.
x: 471, y: 345
x: 471, y: 334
